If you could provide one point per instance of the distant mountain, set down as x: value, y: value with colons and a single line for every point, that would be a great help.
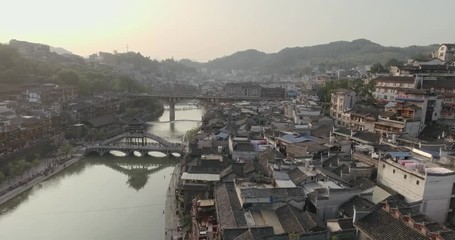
x: 60, y: 51
x: 340, y: 54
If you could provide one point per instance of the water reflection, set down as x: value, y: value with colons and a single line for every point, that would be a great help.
x: 138, y: 170
x: 101, y: 197
x: 55, y: 181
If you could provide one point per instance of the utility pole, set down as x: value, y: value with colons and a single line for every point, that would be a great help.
x: 127, y: 48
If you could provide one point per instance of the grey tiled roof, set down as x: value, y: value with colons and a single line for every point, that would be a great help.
x: 271, y: 192
x: 228, y: 207
x: 380, y: 225
x: 294, y: 220
x: 247, y: 235
x: 358, y: 202
x: 363, y: 183
x: 297, y: 176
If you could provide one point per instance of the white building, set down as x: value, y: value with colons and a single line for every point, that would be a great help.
x: 342, y: 101
x: 445, y: 52
x: 387, y: 87
x: 421, y: 181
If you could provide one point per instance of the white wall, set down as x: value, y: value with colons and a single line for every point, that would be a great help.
x: 436, y: 197
x: 407, y: 187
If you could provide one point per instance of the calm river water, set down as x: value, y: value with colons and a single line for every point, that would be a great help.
x: 100, y: 197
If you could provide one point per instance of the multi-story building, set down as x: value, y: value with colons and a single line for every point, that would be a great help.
x: 430, y: 104
x: 445, y: 52
x: 409, y: 113
x: 342, y: 101
x: 444, y: 85
x: 243, y: 89
x: 387, y: 87
x: 363, y: 119
x: 421, y: 181
x: 50, y: 93
x: 424, y: 69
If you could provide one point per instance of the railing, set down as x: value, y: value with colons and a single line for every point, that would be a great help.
x: 151, y: 147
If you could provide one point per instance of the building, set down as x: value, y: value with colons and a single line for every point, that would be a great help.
x: 342, y: 101
x: 50, y: 93
x: 387, y: 87
x: 273, y: 93
x: 445, y: 86
x: 419, y: 180
x: 243, y: 90
x: 429, y: 103
x: 445, y: 52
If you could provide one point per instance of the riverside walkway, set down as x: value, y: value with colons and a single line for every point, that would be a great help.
x: 36, y: 175
x: 171, y: 218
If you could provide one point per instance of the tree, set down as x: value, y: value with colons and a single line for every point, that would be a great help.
x: 67, y: 149
x: 392, y: 62
x: 68, y: 76
x: 377, y: 68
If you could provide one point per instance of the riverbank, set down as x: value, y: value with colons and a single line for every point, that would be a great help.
x: 171, y: 218
x: 26, y: 183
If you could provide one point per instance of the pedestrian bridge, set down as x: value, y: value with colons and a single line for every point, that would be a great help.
x: 136, y: 142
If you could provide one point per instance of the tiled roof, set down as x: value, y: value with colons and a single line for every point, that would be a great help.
x: 101, y: 121
x: 297, y: 176
x: 380, y: 225
x: 363, y: 183
x: 397, y: 79
x: 357, y: 202
x: 344, y: 131
x: 271, y: 192
x: 244, y: 147
x: 228, y: 207
x: 441, y: 82
x: 386, y: 114
x: 367, y: 137
x: 294, y: 220
x: 345, y: 223
x: 247, y: 235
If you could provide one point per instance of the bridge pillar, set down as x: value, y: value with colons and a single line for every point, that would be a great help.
x: 172, y: 110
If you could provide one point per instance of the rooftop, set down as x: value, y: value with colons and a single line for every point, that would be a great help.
x: 201, y: 177
x: 380, y: 225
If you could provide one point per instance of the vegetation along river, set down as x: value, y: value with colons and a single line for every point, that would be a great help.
x: 101, y: 197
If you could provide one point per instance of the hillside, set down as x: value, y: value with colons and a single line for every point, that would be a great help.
x: 335, y: 54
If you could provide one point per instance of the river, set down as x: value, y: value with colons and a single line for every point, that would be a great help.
x: 100, y: 197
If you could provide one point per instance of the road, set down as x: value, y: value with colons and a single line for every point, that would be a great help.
x: 171, y: 219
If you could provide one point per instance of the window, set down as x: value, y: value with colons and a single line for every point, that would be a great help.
x: 393, y: 170
x: 405, y: 176
x: 383, y: 166
x: 417, y: 182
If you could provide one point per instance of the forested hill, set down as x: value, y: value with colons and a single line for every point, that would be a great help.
x: 43, y: 66
x: 339, y: 54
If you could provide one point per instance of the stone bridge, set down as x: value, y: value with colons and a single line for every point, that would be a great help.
x: 136, y: 142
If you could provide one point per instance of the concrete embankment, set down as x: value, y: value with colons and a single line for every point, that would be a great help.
x: 29, y: 184
x: 171, y: 218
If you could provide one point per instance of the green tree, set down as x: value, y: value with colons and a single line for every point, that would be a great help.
x: 377, y: 68
x: 67, y: 149
x: 68, y: 76
x: 392, y: 62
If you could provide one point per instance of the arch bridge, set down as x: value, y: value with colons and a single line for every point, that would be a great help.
x: 136, y: 142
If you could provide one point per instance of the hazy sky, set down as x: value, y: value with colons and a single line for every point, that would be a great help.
x: 206, y: 29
